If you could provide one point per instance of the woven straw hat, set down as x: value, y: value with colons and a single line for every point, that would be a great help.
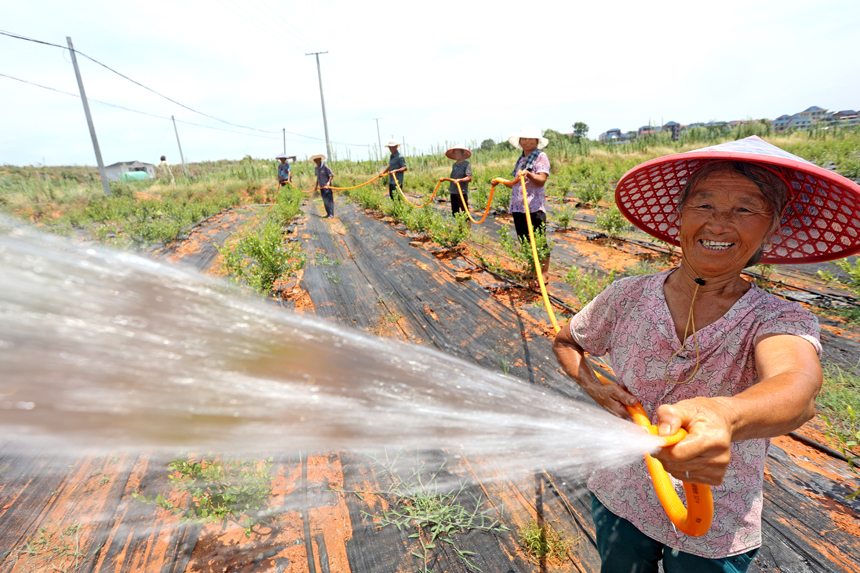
x: 319, y: 156
x: 281, y: 156
x: 450, y: 153
x: 821, y: 220
x: 392, y: 143
x: 529, y: 132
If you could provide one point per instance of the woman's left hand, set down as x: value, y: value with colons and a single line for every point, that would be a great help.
x: 702, y: 456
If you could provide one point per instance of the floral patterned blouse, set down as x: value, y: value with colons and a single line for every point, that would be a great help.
x: 283, y: 172
x: 535, y: 194
x: 630, y: 320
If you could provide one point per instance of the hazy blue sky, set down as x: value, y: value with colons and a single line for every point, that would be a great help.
x: 434, y: 73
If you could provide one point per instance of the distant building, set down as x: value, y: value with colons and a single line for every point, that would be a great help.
x: 845, y: 117
x: 674, y: 128
x: 115, y: 171
x: 647, y: 130
x: 780, y: 124
x: 610, y: 136
x: 806, y: 118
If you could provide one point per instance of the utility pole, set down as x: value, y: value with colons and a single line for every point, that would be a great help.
x: 377, y: 135
x: 285, y: 141
x: 182, y: 157
x: 322, y: 100
x: 102, y: 172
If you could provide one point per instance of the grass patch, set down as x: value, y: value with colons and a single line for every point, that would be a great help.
x: 839, y: 407
x: 433, y: 513
x: 587, y: 285
x: 544, y: 542
x: 261, y: 257
x: 521, y: 251
x: 53, y: 549
x: 612, y: 222
x: 563, y: 216
x: 236, y: 491
x: 643, y: 267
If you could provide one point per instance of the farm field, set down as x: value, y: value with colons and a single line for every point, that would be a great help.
x: 393, y: 273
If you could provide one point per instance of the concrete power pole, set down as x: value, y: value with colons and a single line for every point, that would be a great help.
x: 322, y: 100
x: 102, y: 172
x: 378, y: 137
x: 285, y: 140
x: 182, y: 157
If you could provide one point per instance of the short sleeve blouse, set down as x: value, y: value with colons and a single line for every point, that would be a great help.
x: 631, y: 322
x: 535, y: 193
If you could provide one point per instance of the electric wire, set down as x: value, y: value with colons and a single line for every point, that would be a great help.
x: 19, y: 37
x: 263, y: 26
x: 144, y: 112
x: 298, y: 33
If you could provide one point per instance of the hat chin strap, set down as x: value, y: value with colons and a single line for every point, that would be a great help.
x: 691, y: 322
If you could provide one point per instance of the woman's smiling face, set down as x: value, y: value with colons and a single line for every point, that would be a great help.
x: 725, y: 220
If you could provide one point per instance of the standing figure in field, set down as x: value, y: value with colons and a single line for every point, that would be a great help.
x: 461, y: 172
x: 703, y: 349
x: 164, y: 172
x: 285, y: 173
x: 396, y: 168
x: 535, y: 164
x: 324, y: 176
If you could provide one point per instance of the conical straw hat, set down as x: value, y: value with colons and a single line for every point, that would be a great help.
x: 821, y: 221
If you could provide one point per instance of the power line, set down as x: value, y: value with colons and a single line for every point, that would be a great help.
x: 138, y: 83
x: 298, y: 33
x: 19, y: 37
x: 141, y: 112
x: 260, y: 25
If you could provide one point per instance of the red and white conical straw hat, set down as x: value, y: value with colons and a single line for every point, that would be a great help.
x: 821, y: 221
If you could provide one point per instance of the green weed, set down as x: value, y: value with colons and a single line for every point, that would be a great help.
x: 612, y: 222
x: 236, y: 491
x: 450, y: 234
x: 521, y: 251
x: 435, y: 514
x: 839, y: 404
x: 643, y: 267
x: 563, y: 216
x: 544, y: 542
x: 587, y: 285
x: 53, y: 550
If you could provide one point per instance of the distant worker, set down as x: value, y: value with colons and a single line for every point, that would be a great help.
x: 535, y: 164
x: 461, y: 172
x: 396, y: 168
x: 324, y: 176
x: 285, y: 174
x: 163, y: 171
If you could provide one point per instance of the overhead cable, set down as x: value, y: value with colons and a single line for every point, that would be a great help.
x: 19, y: 37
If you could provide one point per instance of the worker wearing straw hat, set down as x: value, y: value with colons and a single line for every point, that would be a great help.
x: 535, y: 164
x: 164, y: 171
x: 461, y: 172
x: 396, y: 168
x: 324, y: 176
x: 285, y: 174
x: 703, y: 349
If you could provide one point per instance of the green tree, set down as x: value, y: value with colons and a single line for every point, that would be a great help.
x: 580, y: 130
x: 553, y: 135
x: 487, y: 145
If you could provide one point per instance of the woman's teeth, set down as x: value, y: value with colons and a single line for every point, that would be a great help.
x: 716, y: 245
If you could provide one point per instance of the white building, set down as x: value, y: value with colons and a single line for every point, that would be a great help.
x: 115, y: 170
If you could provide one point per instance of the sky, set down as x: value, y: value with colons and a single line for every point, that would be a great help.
x: 433, y: 74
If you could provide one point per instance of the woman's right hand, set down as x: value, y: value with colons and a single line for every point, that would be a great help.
x: 613, y: 398
x: 571, y: 357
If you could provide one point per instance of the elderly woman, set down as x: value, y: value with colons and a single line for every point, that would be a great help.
x: 535, y: 164
x: 703, y: 349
